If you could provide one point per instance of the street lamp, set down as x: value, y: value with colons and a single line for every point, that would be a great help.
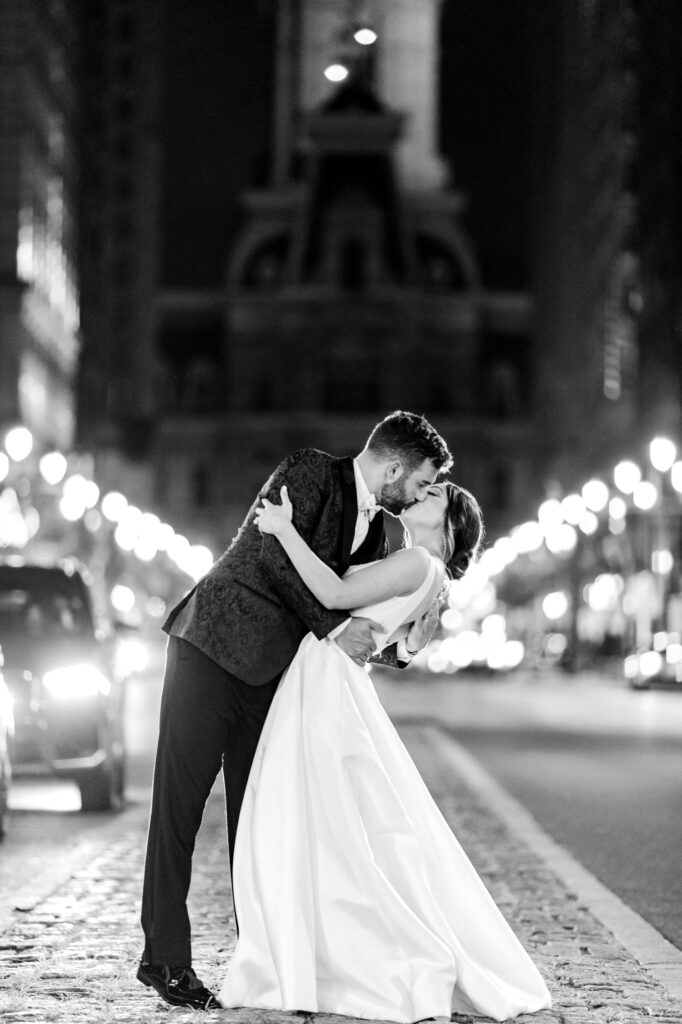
x: 626, y: 476
x: 662, y: 454
x: 595, y: 495
x: 336, y: 73
x: 19, y: 443
x: 645, y: 495
x: 53, y: 466
x: 365, y: 36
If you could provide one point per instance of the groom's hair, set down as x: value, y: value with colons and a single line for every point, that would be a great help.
x: 410, y: 438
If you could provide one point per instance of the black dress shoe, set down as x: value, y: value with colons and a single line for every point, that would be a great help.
x: 179, y: 986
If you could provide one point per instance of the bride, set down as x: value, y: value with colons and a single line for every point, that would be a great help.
x: 352, y: 894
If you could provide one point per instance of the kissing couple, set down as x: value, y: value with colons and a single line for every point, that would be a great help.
x: 352, y: 896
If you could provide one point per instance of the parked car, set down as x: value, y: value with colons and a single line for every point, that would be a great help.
x: 6, y: 731
x: 657, y: 665
x: 67, y: 697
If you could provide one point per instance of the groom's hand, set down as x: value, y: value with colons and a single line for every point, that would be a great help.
x: 357, y: 639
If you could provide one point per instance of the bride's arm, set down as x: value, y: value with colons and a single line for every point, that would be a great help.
x: 400, y: 573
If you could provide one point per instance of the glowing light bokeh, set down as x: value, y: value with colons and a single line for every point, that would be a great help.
x: 506, y: 549
x: 132, y: 655
x: 451, y: 619
x: 650, y: 662
x: 114, y: 505
x: 626, y: 476
x: 336, y: 73
x: 122, y: 598
x: 662, y: 562
x: 645, y: 495
x: 595, y: 495
x: 52, y: 467
x: 493, y: 562
x: 550, y: 514
x: 573, y: 508
x: 76, y: 681
x: 365, y: 36
x: 589, y: 523
x: 19, y: 443
x: 617, y: 508
x: 92, y: 520
x: 555, y: 605
x: 603, y: 594
x: 675, y: 476
x: 673, y: 653
x: 662, y: 453
x: 561, y: 539
x: 527, y: 537
x: 71, y: 507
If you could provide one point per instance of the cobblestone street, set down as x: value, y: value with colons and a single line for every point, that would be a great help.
x: 72, y: 956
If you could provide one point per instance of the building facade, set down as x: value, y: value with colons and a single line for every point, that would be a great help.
x: 120, y: 79
x: 587, y: 269
x: 352, y: 288
x: 39, y: 300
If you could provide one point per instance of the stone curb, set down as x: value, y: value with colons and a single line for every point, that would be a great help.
x: 644, y: 942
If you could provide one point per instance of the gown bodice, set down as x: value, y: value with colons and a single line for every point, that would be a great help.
x: 394, y: 612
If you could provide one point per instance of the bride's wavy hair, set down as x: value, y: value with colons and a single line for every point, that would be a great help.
x: 463, y: 530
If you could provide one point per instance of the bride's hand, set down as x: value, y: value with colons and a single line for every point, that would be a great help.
x: 273, y: 519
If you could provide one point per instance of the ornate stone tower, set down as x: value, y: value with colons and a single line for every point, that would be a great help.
x: 353, y: 288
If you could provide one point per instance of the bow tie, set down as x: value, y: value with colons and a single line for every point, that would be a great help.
x: 370, y: 506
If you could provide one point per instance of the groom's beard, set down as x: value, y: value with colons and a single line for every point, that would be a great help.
x: 393, y: 498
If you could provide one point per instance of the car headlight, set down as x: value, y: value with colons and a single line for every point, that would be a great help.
x: 650, y: 662
x: 76, y: 681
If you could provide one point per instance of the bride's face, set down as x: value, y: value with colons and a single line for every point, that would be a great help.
x: 429, y: 513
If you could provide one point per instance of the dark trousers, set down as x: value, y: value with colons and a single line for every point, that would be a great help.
x: 208, y: 719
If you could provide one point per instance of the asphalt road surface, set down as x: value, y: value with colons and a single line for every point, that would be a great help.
x: 599, y: 767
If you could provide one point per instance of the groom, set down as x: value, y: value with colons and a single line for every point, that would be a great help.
x: 231, y: 638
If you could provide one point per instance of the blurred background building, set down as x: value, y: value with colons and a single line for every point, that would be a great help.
x: 39, y: 187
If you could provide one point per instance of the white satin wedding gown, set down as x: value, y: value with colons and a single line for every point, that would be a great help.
x: 352, y: 894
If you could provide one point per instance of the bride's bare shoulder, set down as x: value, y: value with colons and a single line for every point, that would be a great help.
x: 413, y: 561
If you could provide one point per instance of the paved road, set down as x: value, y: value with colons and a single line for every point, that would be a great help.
x: 49, y: 838
x: 71, y: 958
x: 599, y: 766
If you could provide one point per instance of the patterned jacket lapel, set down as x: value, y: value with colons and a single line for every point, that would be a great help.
x: 350, y: 510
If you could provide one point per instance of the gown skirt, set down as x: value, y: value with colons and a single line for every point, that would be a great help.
x: 352, y: 894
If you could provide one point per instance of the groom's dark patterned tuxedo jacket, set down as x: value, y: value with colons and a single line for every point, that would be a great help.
x: 251, y: 611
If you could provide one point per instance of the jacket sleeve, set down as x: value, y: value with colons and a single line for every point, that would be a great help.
x: 306, y: 476
x: 389, y: 657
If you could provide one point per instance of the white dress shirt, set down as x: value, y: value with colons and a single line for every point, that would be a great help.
x: 364, y: 518
x: 362, y: 522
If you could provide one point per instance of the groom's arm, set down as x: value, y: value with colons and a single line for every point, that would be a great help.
x: 306, y: 475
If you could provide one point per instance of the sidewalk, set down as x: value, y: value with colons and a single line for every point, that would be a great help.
x: 72, y: 957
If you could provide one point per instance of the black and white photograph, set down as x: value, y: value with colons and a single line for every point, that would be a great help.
x: 340, y: 511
